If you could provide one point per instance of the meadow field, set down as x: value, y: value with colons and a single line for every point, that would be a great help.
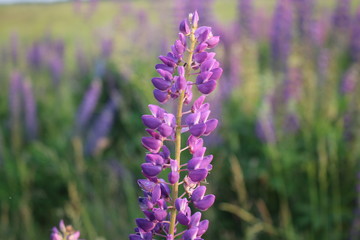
x: 75, y: 79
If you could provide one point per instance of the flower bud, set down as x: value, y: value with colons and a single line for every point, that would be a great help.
x: 184, y: 27
x: 145, y: 224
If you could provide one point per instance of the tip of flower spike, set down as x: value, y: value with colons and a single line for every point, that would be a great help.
x: 194, y: 19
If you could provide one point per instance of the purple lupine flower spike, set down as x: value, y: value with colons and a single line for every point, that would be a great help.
x: 107, y: 46
x: 56, y: 66
x: 64, y: 232
x: 304, y: 10
x: 355, y: 37
x: 187, y: 64
x: 16, y: 82
x: 281, y: 34
x: 342, y: 17
x: 88, y: 104
x: 265, y: 129
x: 246, y: 18
x: 35, y: 55
x: 97, y: 137
x: 31, y: 124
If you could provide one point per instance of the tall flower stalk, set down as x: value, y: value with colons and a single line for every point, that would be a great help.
x: 165, y: 204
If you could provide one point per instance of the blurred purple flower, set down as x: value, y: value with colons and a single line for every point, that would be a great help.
x: 261, y: 31
x: 318, y: 31
x: 292, y: 85
x: 304, y: 15
x: 107, y: 46
x: 64, y: 232
x: 88, y: 104
x: 142, y: 17
x: 342, y: 17
x: 265, y: 129
x: 56, y: 66
x: 35, y: 55
x: 349, y: 81
x: 15, y: 97
x: 291, y: 123
x: 31, y: 122
x: 355, y: 37
x: 281, y: 34
x: 246, y: 17
x: 98, y: 133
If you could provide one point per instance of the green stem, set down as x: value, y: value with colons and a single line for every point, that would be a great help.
x: 175, y: 186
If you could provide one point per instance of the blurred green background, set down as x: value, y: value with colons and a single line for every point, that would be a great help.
x: 75, y: 80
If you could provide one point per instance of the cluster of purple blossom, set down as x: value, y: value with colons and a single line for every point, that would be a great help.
x: 22, y: 106
x: 64, y: 232
x: 163, y: 207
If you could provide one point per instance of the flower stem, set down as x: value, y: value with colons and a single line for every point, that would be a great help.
x: 175, y: 187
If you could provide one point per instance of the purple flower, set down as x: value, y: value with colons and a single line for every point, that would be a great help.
x: 318, y: 31
x: 246, y: 17
x: 304, y: 10
x: 35, y: 55
x: 349, y: 81
x: 15, y: 97
x: 97, y: 137
x: 342, y: 17
x: 88, y: 104
x: 64, y: 232
x: 56, y: 66
x: 355, y: 37
x: 292, y: 85
x: 162, y: 207
x: 291, y: 123
x: 265, y: 129
x: 281, y: 34
x: 31, y: 124
x: 107, y: 46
